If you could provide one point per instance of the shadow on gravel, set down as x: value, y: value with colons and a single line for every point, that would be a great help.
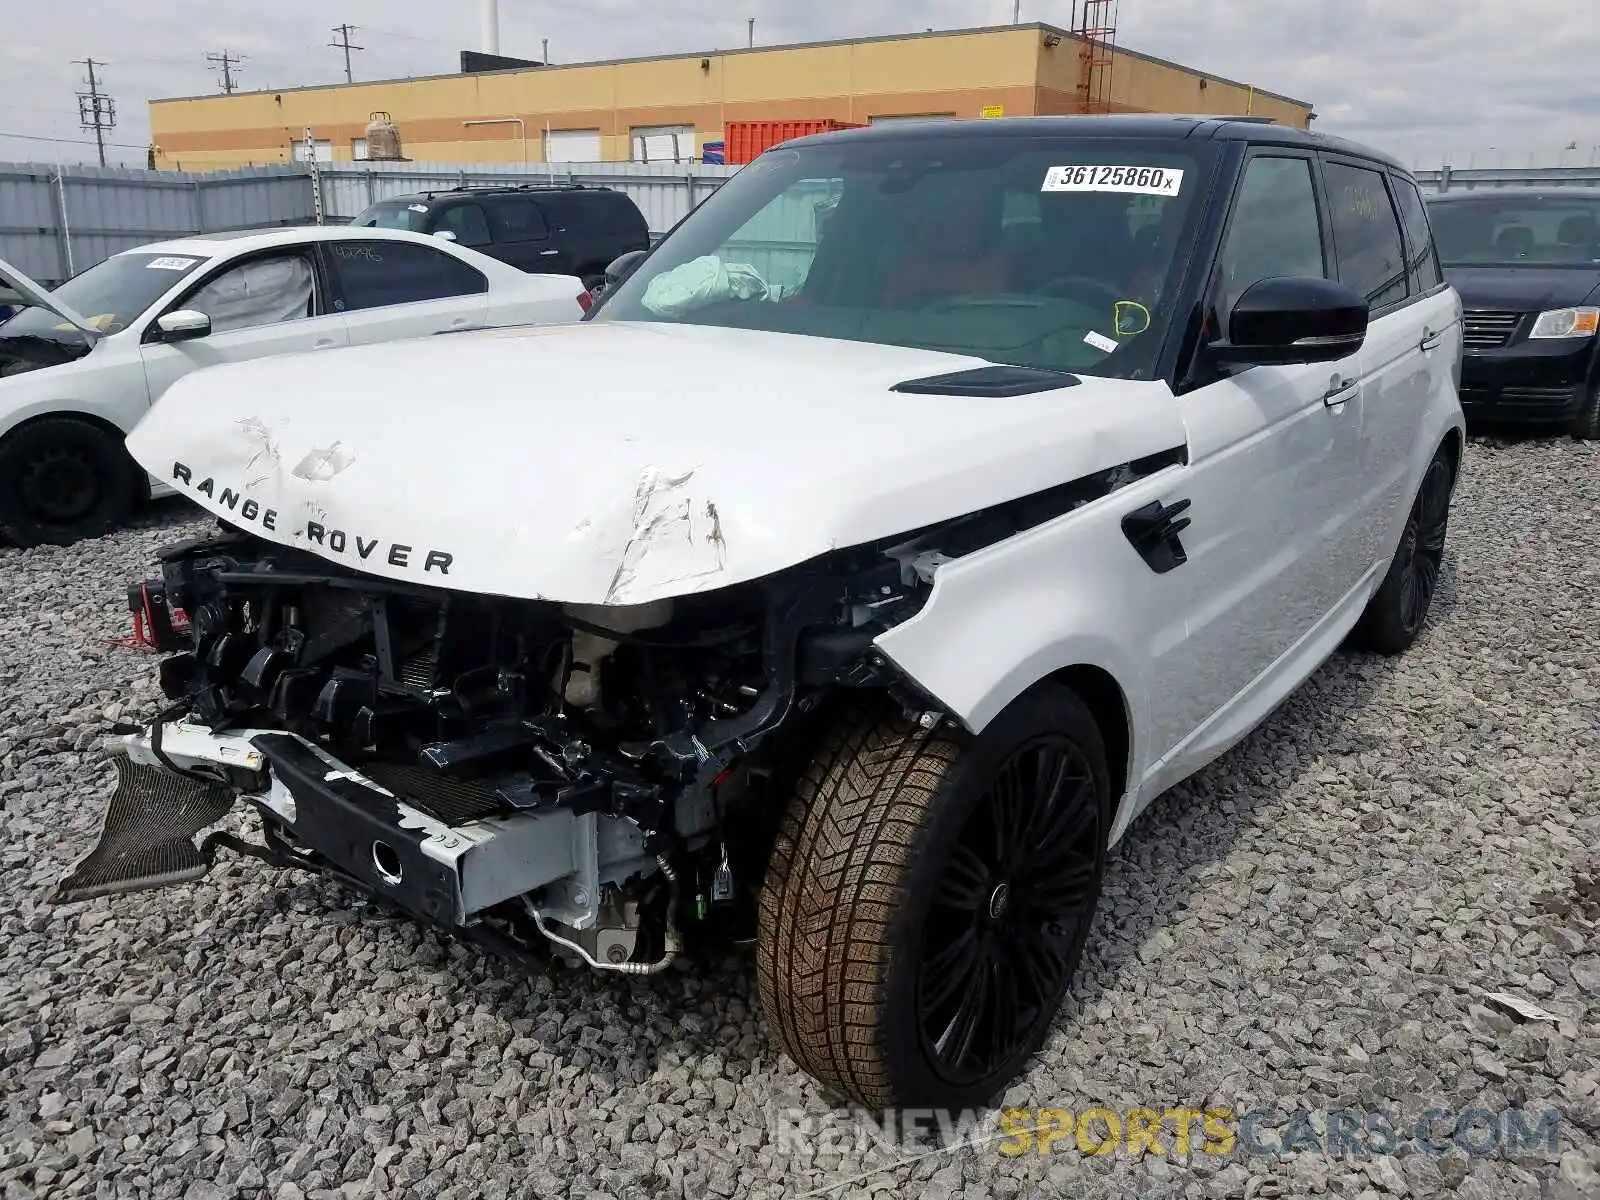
x: 1152, y: 868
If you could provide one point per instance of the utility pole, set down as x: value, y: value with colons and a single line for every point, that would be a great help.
x: 344, y: 32
x: 96, y: 110
x: 227, y: 62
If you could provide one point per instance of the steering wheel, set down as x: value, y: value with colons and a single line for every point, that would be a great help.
x: 1068, y: 283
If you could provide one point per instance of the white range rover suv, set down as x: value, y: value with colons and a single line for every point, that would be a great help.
x: 930, y: 500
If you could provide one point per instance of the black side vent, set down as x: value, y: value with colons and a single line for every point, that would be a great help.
x: 996, y: 381
x: 1154, y: 531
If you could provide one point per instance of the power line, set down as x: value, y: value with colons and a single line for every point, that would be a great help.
x: 344, y: 32
x: 35, y: 137
x: 96, y: 110
x: 409, y: 37
x: 227, y: 62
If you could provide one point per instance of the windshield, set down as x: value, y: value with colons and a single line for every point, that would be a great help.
x: 110, y: 296
x: 393, y: 215
x: 1517, y: 230
x: 1054, y: 253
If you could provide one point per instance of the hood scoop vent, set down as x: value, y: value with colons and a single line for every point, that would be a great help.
x: 996, y: 381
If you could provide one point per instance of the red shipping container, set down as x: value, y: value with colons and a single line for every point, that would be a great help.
x: 746, y: 139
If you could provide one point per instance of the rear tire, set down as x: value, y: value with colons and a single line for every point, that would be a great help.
x: 62, y: 480
x: 1586, y: 425
x: 928, y: 899
x: 1398, y: 610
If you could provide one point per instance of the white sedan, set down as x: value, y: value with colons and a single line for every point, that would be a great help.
x: 81, y: 365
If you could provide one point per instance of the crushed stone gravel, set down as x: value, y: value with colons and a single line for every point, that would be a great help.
x: 1388, y: 897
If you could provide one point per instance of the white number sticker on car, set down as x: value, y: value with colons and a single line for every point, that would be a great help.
x: 1140, y: 181
x: 1100, y: 341
x: 169, y: 264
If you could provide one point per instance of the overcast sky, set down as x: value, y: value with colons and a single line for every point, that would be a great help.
x: 1491, y: 83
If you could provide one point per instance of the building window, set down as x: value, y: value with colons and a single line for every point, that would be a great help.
x: 302, y: 150
x: 358, y: 149
x: 663, y: 143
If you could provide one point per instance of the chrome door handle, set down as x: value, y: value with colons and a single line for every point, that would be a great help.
x: 1339, y: 390
x: 1430, y: 340
x: 548, y: 253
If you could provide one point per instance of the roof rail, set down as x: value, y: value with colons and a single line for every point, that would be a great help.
x: 468, y: 188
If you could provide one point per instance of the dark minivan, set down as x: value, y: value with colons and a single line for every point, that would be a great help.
x: 1526, y: 263
x: 559, y: 229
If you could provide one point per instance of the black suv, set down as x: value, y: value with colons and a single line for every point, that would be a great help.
x: 553, y: 229
x: 1526, y: 262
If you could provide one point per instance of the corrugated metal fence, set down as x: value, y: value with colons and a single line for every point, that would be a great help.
x: 57, y: 221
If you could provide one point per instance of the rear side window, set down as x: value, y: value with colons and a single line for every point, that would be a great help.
x: 517, y: 219
x: 375, y: 274
x: 1424, y: 257
x: 1366, y: 233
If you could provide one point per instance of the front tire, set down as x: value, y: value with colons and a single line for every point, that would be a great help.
x: 1586, y: 425
x: 928, y: 899
x: 62, y: 480
x: 1395, y: 615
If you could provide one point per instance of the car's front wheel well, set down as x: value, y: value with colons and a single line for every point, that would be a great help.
x: 1104, y: 698
x: 1453, y: 449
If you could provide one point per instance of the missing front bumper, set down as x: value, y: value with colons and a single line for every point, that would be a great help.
x: 326, y: 815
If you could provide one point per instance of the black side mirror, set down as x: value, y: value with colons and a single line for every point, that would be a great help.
x: 623, y: 265
x: 1299, y: 319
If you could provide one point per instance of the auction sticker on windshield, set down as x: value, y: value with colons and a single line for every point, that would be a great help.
x: 169, y: 264
x: 1141, y: 181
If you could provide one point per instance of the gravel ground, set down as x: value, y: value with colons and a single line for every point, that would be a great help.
x: 1315, y: 922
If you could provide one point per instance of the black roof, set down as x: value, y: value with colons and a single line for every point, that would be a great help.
x: 1519, y: 192
x: 495, y: 189
x: 1256, y: 130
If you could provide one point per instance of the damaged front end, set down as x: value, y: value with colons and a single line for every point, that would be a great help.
x: 502, y: 768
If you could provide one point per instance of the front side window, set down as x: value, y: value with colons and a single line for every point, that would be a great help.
x: 1424, y: 261
x: 1512, y: 229
x: 376, y: 274
x: 261, y: 291
x: 1274, y: 229
x: 1366, y: 233
x: 467, y: 222
x: 1056, y: 253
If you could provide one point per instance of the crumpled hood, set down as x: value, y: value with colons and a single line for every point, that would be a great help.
x: 617, y: 463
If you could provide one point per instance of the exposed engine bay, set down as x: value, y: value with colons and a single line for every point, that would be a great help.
x: 603, y: 776
x: 604, y: 747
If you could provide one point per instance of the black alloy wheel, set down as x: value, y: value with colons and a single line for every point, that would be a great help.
x: 1010, y: 913
x: 929, y: 894
x: 1398, y: 610
x: 1422, y: 545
